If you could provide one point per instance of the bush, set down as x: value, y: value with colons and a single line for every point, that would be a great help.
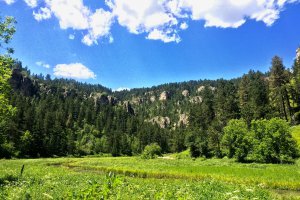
x: 151, y: 151
x: 235, y: 141
x: 272, y: 141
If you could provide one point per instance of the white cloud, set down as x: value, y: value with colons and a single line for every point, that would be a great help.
x: 121, y: 89
x: 232, y: 13
x: 165, y: 36
x: 75, y: 15
x: 71, y: 36
x: 71, y: 14
x: 156, y: 19
x: 31, y: 3
x: 99, y: 26
x: 42, y: 64
x: 184, y: 26
x: 73, y: 70
x: 42, y: 14
x: 146, y: 16
x: 8, y: 2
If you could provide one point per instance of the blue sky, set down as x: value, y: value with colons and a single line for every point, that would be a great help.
x: 141, y: 43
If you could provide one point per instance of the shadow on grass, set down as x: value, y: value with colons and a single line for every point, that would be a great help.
x: 8, y: 179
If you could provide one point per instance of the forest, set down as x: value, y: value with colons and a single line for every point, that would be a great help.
x: 247, y: 118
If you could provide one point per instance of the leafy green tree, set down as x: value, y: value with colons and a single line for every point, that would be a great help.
x: 197, y: 141
x: 151, y: 151
x: 272, y: 141
x: 7, y: 30
x: 235, y: 141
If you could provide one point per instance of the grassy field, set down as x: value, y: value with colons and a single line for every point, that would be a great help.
x: 135, y: 178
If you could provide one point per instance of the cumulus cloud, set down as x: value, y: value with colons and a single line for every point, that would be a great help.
x: 71, y: 14
x: 8, y: 2
x: 42, y: 64
x: 156, y: 19
x: 146, y: 16
x: 42, y: 14
x: 121, y: 89
x: 73, y: 70
x: 99, y: 26
x: 232, y: 13
x: 31, y: 3
x: 71, y: 37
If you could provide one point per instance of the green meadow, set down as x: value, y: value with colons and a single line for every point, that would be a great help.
x: 136, y: 178
x: 174, y: 176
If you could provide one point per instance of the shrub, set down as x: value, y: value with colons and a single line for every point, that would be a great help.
x: 235, y: 141
x: 151, y: 151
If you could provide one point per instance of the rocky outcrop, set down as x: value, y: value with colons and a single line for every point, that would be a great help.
x: 163, y: 122
x: 212, y: 88
x: 137, y: 100
x: 164, y: 96
x: 183, y: 120
x: 112, y: 100
x: 152, y: 98
x: 185, y: 93
x: 127, y: 106
x: 196, y: 99
x: 24, y: 84
x: 200, y: 89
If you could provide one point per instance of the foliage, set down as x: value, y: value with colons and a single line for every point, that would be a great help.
x: 7, y: 30
x: 151, y: 151
x: 96, y: 190
x: 267, y: 141
x: 272, y: 141
x: 235, y: 141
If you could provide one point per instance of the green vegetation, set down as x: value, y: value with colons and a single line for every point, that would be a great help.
x: 7, y: 30
x: 247, y: 119
x: 296, y: 134
x: 151, y: 151
x: 135, y: 178
x: 266, y: 141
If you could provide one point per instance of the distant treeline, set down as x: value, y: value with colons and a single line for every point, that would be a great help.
x: 41, y: 117
x: 64, y: 117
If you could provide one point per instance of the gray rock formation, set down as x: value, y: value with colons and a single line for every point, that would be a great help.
x: 183, y: 119
x: 127, y: 106
x: 164, y: 96
x: 185, y: 93
x: 163, y: 122
x: 196, y: 99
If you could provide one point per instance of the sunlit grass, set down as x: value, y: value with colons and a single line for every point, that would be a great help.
x: 68, y: 178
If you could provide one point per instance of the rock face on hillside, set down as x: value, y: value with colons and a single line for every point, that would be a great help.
x: 23, y: 83
x: 112, y: 100
x: 137, y: 100
x: 152, y: 98
x: 196, y: 99
x: 183, y: 120
x: 127, y: 106
x: 200, y: 89
x: 185, y: 93
x: 163, y: 122
x: 164, y: 96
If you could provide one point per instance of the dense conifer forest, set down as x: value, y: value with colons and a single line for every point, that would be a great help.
x: 246, y: 118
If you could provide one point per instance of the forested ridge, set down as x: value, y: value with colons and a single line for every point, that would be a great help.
x: 246, y: 118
